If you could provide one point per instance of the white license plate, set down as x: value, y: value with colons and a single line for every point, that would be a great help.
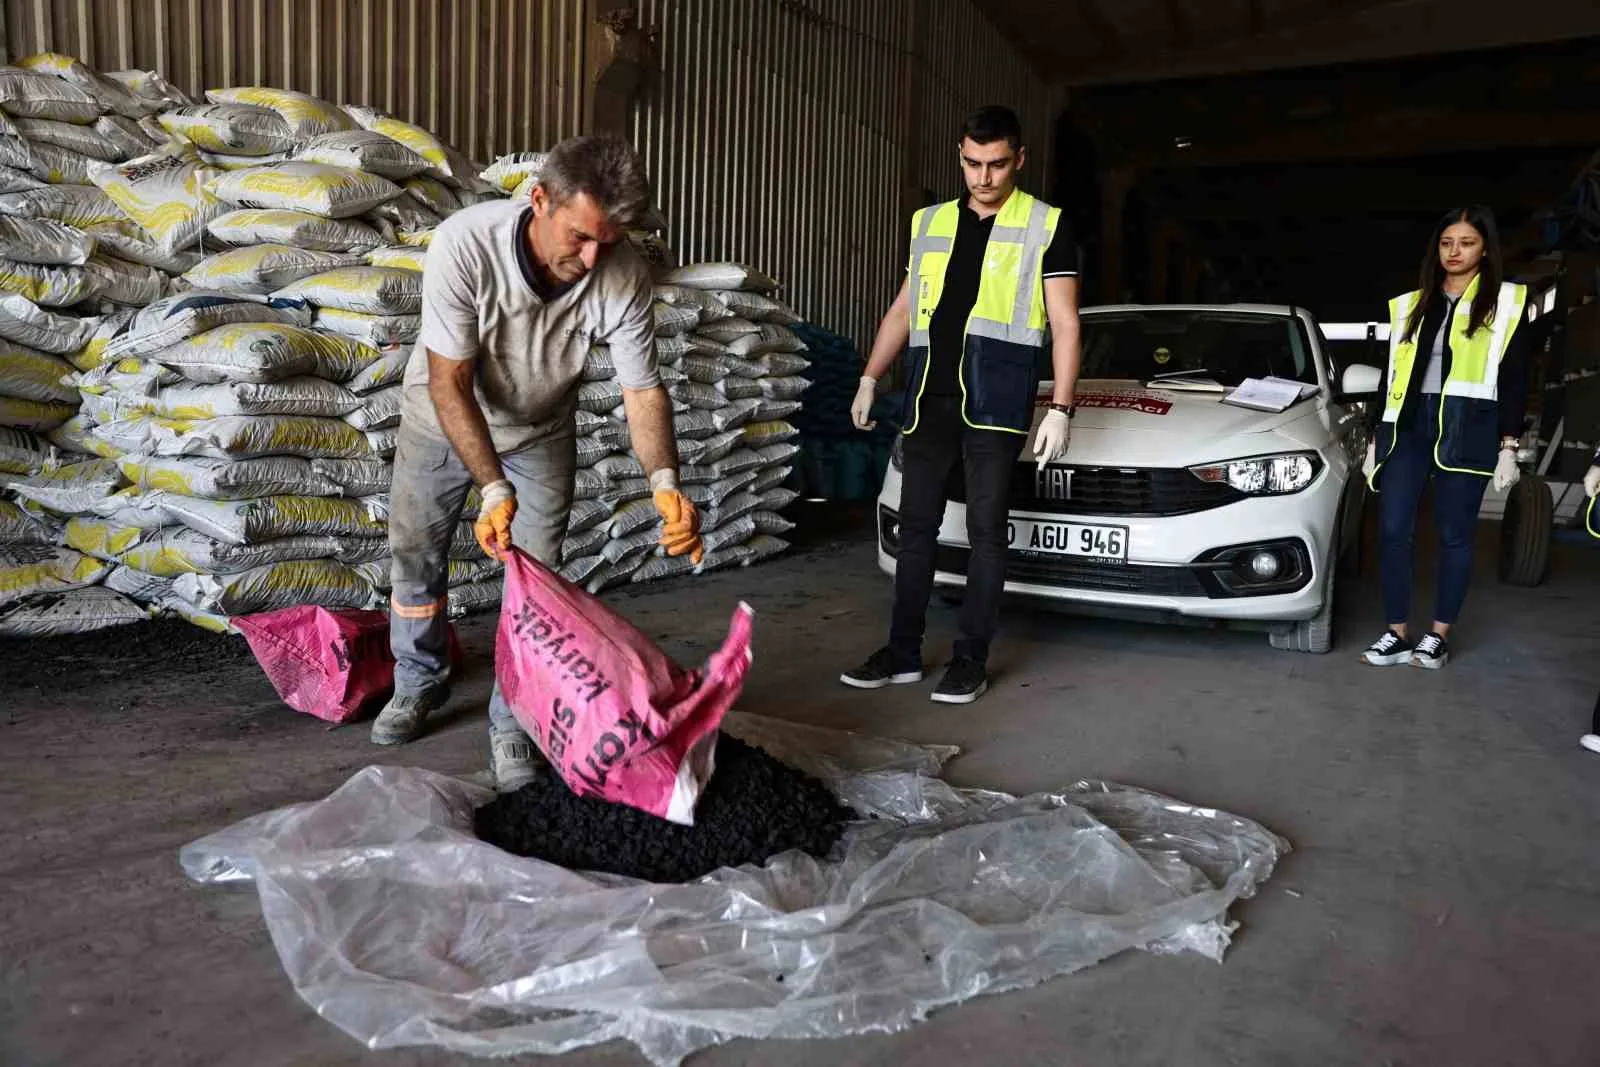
x: 1068, y: 539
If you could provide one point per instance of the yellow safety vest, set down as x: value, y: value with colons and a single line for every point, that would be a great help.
x: 1468, y: 437
x: 1008, y: 327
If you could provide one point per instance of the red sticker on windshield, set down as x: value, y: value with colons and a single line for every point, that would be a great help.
x: 1148, y: 403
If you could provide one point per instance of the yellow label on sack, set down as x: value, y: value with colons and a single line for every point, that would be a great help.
x: 415, y: 138
x: 294, y: 107
x: 312, y: 512
x: 17, y: 581
x: 194, y: 410
x: 404, y: 258
x: 99, y: 537
x: 236, y: 261
x: 159, y: 560
x: 327, y: 435
x: 50, y: 62
x: 276, y: 183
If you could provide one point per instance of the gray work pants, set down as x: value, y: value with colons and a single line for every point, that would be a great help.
x: 425, y: 500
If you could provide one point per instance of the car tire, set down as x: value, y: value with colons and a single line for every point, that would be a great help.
x: 1525, y: 532
x: 1314, y: 635
x: 1353, y: 556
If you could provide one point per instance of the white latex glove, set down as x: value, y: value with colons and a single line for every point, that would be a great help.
x: 861, y: 406
x: 1370, y: 464
x: 1591, y: 481
x: 1506, y: 473
x: 1050, y: 443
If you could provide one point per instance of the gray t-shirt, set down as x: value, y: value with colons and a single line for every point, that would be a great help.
x: 480, y: 300
x: 1433, y: 377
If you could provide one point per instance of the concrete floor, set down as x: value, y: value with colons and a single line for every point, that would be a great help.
x: 1442, y: 904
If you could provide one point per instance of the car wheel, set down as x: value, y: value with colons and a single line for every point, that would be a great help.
x: 1316, y: 633
x: 1352, y: 557
x: 1525, y: 532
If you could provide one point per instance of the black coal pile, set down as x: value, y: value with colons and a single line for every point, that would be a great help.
x: 754, y: 807
x: 168, y: 646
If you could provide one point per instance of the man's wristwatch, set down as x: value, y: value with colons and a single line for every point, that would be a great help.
x: 1509, y: 444
x: 1068, y: 410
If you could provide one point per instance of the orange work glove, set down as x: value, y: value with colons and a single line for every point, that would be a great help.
x: 680, y: 523
x: 494, y: 518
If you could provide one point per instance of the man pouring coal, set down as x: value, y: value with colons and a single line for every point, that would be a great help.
x: 514, y: 295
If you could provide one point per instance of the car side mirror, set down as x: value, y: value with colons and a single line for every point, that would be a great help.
x: 1360, y: 381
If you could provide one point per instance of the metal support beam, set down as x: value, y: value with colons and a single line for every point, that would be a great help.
x: 1114, y: 186
x: 1398, y: 135
x: 621, y: 57
x: 1182, y: 28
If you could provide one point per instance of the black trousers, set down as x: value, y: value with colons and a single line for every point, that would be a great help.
x: 942, y: 440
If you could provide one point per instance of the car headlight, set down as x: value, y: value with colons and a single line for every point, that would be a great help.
x: 1264, y: 475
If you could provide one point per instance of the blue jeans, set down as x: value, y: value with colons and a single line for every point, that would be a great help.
x: 1456, y: 500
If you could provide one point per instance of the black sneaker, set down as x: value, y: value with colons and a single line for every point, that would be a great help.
x: 1387, y: 651
x: 964, y: 681
x: 879, y: 671
x: 1432, y: 653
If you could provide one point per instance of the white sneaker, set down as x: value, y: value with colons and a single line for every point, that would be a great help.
x: 1388, y: 651
x: 1431, y: 653
x: 1590, y: 742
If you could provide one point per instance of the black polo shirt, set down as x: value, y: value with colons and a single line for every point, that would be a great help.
x: 947, y: 329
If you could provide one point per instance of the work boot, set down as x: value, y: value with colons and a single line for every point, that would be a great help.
x: 514, y: 759
x: 401, y: 719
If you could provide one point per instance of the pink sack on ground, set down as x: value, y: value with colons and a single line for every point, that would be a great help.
x: 325, y: 663
x: 613, y: 714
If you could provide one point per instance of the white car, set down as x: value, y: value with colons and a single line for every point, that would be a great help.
x: 1173, y: 502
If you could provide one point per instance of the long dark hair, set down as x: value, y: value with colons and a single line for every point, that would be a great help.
x: 1490, y: 270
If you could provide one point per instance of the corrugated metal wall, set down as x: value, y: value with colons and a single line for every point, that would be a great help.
x: 779, y: 133
x: 489, y: 76
x: 777, y: 136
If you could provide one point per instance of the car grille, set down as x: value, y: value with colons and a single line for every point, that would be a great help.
x: 1072, y: 573
x: 1146, y: 492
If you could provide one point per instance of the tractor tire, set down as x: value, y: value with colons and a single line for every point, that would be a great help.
x: 1525, y: 532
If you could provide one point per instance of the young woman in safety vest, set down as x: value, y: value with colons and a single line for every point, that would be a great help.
x: 1455, y: 397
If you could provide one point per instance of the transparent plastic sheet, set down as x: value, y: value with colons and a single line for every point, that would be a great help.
x: 397, y: 925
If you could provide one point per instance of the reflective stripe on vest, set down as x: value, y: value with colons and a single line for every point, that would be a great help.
x: 1474, y: 367
x: 1010, y: 303
x: 1474, y: 360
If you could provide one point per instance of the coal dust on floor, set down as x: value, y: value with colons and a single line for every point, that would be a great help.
x: 754, y: 807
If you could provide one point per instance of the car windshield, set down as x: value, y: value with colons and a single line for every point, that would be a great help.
x: 1213, y: 345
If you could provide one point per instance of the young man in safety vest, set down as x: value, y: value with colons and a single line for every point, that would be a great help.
x: 992, y: 285
x: 513, y: 296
